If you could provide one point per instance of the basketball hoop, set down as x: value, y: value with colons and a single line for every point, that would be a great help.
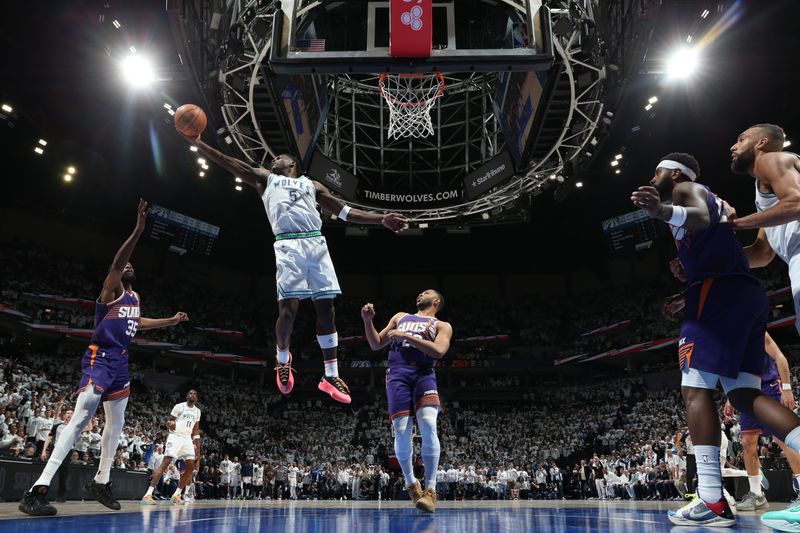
x: 410, y: 98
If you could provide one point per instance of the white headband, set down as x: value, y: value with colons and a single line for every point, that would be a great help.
x: 670, y: 164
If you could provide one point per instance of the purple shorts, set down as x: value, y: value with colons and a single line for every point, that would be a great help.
x: 724, y: 326
x: 771, y: 389
x: 107, y: 372
x: 410, y: 388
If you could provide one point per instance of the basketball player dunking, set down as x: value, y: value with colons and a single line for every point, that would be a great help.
x: 183, y: 442
x: 105, y: 376
x: 722, y: 336
x: 417, y: 342
x: 303, y: 265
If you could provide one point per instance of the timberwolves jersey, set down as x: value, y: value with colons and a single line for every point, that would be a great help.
x: 784, y: 239
x: 291, y: 205
x: 713, y: 251
x: 403, y: 353
x: 115, y: 324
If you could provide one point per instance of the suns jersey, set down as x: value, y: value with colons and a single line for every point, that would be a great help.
x: 402, y: 353
x: 115, y: 323
x: 291, y: 205
x: 185, y: 419
x: 713, y: 251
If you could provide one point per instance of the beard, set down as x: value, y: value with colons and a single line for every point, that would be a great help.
x: 742, y: 163
x: 424, y: 304
x: 128, y: 278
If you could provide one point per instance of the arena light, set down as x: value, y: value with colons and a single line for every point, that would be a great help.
x: 202, y: 174
x: 652, y: 100
x: 617, y: 171
x: 705, y: 13
x: 423, y: 225
x: 578, y: 184
x: 787, y: 143
x: 689, y: 39
x: 682, y: 63
x: 648, y: 107
x: 116, y: 24
x: 38, y: 150
x: 70, y: 170
x: 485, y: 215
x: 614, y: 163
x: 238, y: 187
x: 167, y: 106
x: 7, y: 108
x: 68, y: 177
x: 204, y: 167
x: 618, y: 157
x: 171, y: 111
x: 201, y: 161
x: 193, y: 148
x: 42, y: 142
x: 238, y: 179
x: 138, y: 71
x: 132, y: 49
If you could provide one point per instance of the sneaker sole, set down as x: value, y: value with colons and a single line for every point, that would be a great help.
x: 324, y: 387
x: 714, y: 522
x: 31, y: 513
x: 780, y: 524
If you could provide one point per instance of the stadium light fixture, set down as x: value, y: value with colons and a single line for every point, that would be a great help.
x: 689, y: 39
x: 705, y: 13
x: 682, y: 63
x: 193, y: 148
x: 238, y: 179
x: 648, y: 107
x: 423, y: 225
x: 202, y: 174
x: 7, y: 108
x: 68, y: 177
x: 132, y: 49
x: 618, y: 157
x: 204, y: 167
x: 578, y: 184
x: 617, y: 171
x: 201, y: 161
x: 652, y: 100
x: 485, y: 215
x: 138, y: 71
x: 614, y: 163
x: 70, y: 170
x: 38, y: 150
x: 238, y: 187
x: 42, y: 142
x: 116, y: 24
x: 167, y: 106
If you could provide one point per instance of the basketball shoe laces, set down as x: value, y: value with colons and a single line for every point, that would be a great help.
x: 340, y: 385
x: 283, y: 372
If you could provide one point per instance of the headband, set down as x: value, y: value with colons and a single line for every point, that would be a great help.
x: 670, y: 164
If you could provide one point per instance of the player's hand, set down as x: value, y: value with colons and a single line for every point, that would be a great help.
x: 728, y: 211
x: 368, y: 312
x: 673, y: 305
x: 676, y: 267
x: 192, y: 140
x: 728, y: 410
x: 43, y: 457
x: 171, y: 425
x: 395, y: 222
x: 648, y: 199
x: 179, y: 317
x: 141, y: 215
x: 787, y: 399
x: 395, y: 334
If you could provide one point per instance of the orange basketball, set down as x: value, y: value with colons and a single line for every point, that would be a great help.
x: 190, y: 120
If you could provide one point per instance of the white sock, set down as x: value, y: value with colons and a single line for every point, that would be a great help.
x: 792, y: 440
x: 283, y: 356
x: 332, y: 368
x: 115, y: 419
x: 87, y: 403
x: 149, y: 491
x: 403, y: 431
x: 755, y: 484
x: 709, y: 476
x: 431, y: 449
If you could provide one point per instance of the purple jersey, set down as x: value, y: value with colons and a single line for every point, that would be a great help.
x: 770, y: 371
x: 713, y: 251
x: 402, y: 353
x: 115, y: 324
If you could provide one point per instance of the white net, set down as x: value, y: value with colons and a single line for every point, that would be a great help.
x: 410, y: 98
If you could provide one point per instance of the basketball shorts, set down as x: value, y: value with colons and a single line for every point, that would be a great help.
x: 723, y: 330
x: 410, y: 388
x: 771, y: 389
x: 179, y: 447
x: 107, y: 372
x: 304, y: 268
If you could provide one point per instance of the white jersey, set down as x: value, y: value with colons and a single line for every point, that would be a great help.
x: 185, y: 419
x: 784, y: 239
x: 291, y: 205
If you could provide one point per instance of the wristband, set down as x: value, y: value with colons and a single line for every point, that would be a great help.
x: 678, y: 217
x: 786, y: 386
x: 344, y: 212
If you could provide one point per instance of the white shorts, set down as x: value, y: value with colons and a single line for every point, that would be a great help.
x: 179, y: 447
x: 698, y: 379
x: 225, y: 479
x: 794, y: 280
x: 304, y: 269
x: 246, y: 479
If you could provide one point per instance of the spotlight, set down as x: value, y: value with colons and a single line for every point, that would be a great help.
x: 578, y: 184
x: 648, y: 107
x: 238, y: 187
x: 618, y: 157
x: 204, y: 167
x: 617, y: 171
x: 68, y: 177
x: 682, y: 63
x: 689, y: 39
x: 202, y: 174
x: 193, y: 148
x: 138, y: 71
x: 228, y: 139
x: 593, y: 142
x: 38, y: 150
x: 238, y: 179
x: 116, y: 24
x: 171, y: 112
x: 614, y: 163
x: 132, y: 49
x: 7, y: 108
x: 485, y: 216
x: 167, y: 106
x: 42, y: 142
x: 652, y: 100
x: 705, y: 13
x: 201, y: 161
x: 787, y: 143
x: 423, y: 225
x: 70, y: 170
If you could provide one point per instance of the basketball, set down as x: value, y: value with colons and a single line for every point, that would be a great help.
x: 190, y: 120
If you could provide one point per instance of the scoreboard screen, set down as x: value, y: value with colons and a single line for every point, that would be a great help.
x: 633, y: 231
x: 181, y: 233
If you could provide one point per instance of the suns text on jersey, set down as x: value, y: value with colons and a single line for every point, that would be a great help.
x: 128, y: 311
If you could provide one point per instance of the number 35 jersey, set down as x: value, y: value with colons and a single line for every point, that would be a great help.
x: 115, y: 323
x: 291, y: 205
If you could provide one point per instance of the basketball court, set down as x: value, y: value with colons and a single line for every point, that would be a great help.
x: 346, y: 517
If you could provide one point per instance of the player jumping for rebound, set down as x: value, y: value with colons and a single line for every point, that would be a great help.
x: 303, y: 265
x: 722, y: 336
x: 417, y: 342
x: 105, y: 377
x: 183, y: 442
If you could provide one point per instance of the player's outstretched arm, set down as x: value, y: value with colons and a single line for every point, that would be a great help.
x: 112, y: 286
x: 334, y: 206
x: 377, y: 340
x: 152, y: 323
x: 688, y: 195
x: 437, y: 348
x: 252, y: 176
x: 777, y: 170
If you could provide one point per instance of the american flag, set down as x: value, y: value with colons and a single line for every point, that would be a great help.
x: 311, y: 45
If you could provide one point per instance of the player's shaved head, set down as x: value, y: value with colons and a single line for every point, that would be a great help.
x: 774, y: 134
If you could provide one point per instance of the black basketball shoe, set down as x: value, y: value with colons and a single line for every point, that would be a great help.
x: 34, y: 502
x: 102, y: 493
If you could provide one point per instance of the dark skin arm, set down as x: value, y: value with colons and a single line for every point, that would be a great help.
x: 112, y: 286
x: 252, y: 176
x: 686, y: 194
x: 152, y: 323
x: 779, y: 172
x: 196, y: 440
x: 331, y: 204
